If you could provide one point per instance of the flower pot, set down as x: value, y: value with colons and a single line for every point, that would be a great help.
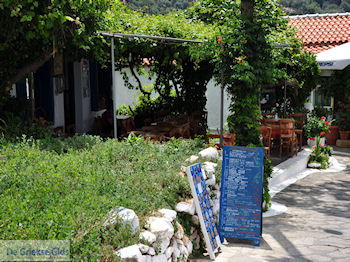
x: 344, y: 135
x: 332, y: 136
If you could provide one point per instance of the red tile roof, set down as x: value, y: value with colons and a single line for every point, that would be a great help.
x: 322, y: 32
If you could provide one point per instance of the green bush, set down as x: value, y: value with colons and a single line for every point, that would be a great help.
x: 46, y: 195
x: 316, y: 127
x: 320, y: 154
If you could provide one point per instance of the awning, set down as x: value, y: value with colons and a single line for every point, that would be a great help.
x: 336, y: 58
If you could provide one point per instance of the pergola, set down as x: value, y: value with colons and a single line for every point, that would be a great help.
x: 161, y: 39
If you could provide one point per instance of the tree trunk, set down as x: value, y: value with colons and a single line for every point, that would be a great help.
x: 32, y: 67
x: 247, y: 8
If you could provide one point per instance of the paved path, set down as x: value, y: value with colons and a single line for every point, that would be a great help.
x: 316, y: 226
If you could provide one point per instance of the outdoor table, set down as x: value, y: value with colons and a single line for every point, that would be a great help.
x: 275, y: 125
x: 276, y: 133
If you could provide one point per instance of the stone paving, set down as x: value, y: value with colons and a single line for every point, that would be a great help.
x: 316, y: 226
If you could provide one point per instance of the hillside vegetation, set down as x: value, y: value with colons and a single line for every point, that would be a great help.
x: 290, y: 6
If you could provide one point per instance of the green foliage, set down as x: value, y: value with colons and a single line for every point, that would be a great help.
x: 46, y: 195
x: 158, y: 6
x: 320, y: 154
x: 297, y: 7
x: 316, y: 127
x: 32, y: 30
x: 319, y: 112
x: 343, y: 121
x: 267, y: 175
x: 179, y: 71
x: 124, y: 110
x: 246, y: 60
x: 13, y: 128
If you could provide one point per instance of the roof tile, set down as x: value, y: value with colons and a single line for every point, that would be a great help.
x: 322, y: 32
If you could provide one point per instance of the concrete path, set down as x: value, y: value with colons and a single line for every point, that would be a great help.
x: 316, y: 226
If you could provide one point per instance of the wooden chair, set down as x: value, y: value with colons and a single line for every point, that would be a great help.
x: 288, y: 137
x: 300, y: 120
x: 228, y: 139
x: 268, y: 115
x: 266, y: 133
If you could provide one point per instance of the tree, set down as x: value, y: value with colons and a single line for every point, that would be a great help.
x: 34, y: 31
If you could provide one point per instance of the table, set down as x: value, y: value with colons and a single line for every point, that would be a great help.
x: 275, y: 124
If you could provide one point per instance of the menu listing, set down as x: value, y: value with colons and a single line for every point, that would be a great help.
x: 204, y: 208
x: 241, y: 193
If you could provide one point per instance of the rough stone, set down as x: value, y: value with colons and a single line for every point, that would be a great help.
x: 193, y: 236
x: 129, y: 253
x: 186, y: 207
x: 209, y: 168
x: 176, y: 253
x: 145, y: 258
x: 161, y: 227
x: 209, y: 153
x: 180, y: 231
x: 195, y: 220
x: 161, y: 245
x: 185, y: 240
x: 169, y: 214
x: 143, y: 248
x: 147, y: 236
x: 179, y: 242
x: 204, y: 174
x: 183, y: 250
x: 151, y: 251
x: 211, y: 181
x: 197, y: 242
x: 160, y: 258
x: 192, y: 159
x: 189, y: 247
x: 216, y: 206
x: 125, y: 216
x: 169, y: 251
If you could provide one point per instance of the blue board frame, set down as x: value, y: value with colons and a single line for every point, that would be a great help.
x: 204, y: 208
x: 241, y: 193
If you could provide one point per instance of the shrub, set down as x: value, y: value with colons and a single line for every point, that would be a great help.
x: 316, y: 127
x: 46, y: 195
x: 320, y: 154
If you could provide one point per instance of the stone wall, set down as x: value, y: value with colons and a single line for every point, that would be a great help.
x: 163, y: 238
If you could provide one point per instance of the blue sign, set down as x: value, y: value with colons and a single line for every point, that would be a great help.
x: 204, y: 208
x: 241, y: 193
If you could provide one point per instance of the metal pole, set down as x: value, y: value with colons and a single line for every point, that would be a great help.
x: 114, y: 91
x: 222, y: 110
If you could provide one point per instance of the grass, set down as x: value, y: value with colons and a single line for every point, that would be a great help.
x: 50, y: 195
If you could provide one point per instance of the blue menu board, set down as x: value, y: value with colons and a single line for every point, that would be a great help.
x: 204, y: 209
x: 241, y: 193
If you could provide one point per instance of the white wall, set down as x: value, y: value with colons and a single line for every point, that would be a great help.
x: 58, y: 100
x: 128, y: 97
x: 213, y: 105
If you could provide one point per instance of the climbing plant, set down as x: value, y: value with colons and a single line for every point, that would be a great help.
x: 179, y: 72
x: 34, y: 31
x: 246, y: 60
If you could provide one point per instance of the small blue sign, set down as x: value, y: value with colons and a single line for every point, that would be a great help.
x: 241, y: 193
x: 204, y: 208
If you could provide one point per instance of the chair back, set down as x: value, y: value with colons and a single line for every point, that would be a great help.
x: 287, y: 126
x: 300, y: 119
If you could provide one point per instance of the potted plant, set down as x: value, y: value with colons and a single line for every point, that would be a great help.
x: 333, y: 133
x: 320, y: 154
x: 316, y: 128
x: 344, y: 127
